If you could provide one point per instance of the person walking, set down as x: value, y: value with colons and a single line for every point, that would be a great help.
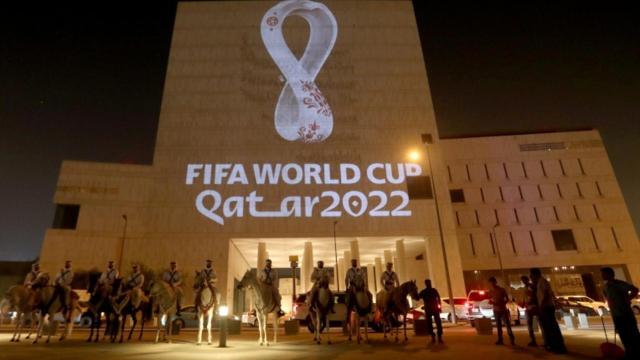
x: 619, y: 294
x: 529, y: 303
x: 432, y: 305
x: 553, y: 340
x: 499, y: 299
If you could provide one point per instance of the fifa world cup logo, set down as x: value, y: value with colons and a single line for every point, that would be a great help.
x: 302, y: 112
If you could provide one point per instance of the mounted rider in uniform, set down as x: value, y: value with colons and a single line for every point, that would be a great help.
x: 32, y: 275
x: 108, y: 277
x: 319, y: 276
x: 63, y: 285
x: 134, y: 284
x: 389, y: 278
x: 173, y: 278
x: 269, y: 277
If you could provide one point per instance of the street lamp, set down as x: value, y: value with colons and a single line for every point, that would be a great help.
x: 223, y: 312
x: 427, y: 139
x: 124, y: 235
x: 335, y: 249
x: 507, y: 284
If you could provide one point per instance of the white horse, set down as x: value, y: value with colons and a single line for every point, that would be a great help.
x: 165, y: 301
x: 207, y: 300
x: 265, y: 304
x: 23, y: 301
x: 50, y: 305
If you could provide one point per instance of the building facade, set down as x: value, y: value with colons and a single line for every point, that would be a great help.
x: 300, y: 147
x: 549, y: 200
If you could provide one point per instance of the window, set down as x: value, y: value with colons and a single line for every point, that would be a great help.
x: 564, y: 240
x: 419, y: 187
x: 66, y: 216
x: 457, y: 195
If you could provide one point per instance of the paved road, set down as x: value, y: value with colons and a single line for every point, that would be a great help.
x: 460, y: 343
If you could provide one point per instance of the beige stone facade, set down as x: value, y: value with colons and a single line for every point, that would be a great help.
x: 218, y: 105
x: 531, y: 186
x: 220, y: 93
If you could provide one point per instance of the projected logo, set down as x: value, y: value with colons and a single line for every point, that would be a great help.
x: 302, y: 112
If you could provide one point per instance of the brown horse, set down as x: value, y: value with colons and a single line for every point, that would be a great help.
x: 359, y: 303
x: 319, y: 309
x: 394, y: 303
x: 49, y: 305
x: 130, y: 302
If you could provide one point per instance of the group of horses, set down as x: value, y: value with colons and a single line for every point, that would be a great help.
x: 112, y: 302
x: 116, y: 302
x: 391, y: 305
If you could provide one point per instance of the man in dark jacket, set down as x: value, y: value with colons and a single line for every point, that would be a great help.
x: 619, y: 295
x: 431, y: 300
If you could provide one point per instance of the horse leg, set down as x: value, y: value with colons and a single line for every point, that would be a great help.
x: 96, y: 323
x: 366, y: 329
x: 168, y: 339
x: 404, y: 325
x: 134, y: 318
x: 16, y: 331
x: 141, y: 327
x: 31, y: 325
x: 209, y: 317
x: 159, y: 323
x: 124, y: 321
x: 200, y: 326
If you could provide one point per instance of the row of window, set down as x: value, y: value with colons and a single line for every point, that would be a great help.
x: 528, y: 169
x: 533, y: 192
x: 563, y: 240
x: 538, y: 215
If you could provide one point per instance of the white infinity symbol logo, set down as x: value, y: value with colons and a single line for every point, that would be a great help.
x: 302, y: 113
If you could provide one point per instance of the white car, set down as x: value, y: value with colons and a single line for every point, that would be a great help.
x: 460, y: 304
x: 516, y: 312
x: 582, y: 300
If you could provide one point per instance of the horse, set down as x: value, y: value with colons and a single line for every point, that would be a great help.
x: 395, y: 303
x: 264, y: 304
x: 319, y: 309
x: 207, y: 300
x: 359, y: 301
x: 49, y: 304
x: 100, y: 303
x: 129, y: 302
x: 23, y: 301
x: 164, y: 300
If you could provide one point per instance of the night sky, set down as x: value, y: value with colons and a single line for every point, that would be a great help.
x: 85, y: 83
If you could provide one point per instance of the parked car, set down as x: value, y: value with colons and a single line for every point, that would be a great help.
x: 586, y: 301
x: 418, y: 313
x: 564, y: 306
x: 249, y: 318
x: 473, y: 301
x: 301, y: 312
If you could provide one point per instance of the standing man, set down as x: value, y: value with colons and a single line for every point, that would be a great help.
x: 529, y: 303
x: 553, y: 340
x: 499, y: 299
x: 63, y: 285
x: 619, y: 295
x: 173, y: 278
x: 210, y: 273
x: 108, y: 277
x: 269, y: 277
x: 389, y: 278
x: 432, y: 304
x: 32, y: 275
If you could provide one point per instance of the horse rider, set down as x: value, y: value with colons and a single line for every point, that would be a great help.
x: 389, y: 278
x: 173, y: 278
x: 135, y: 280
x: 108, y: 277
x: 63, y: 285
x: 210, y: 274
x: 319, y: 273
x: 32, y: 275
x: 269, y: 276
x: 352, y: 274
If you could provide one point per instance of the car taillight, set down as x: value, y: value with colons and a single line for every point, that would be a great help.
x: 467, y: 305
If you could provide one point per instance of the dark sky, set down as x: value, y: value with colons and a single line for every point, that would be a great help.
x: 85, y: 83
